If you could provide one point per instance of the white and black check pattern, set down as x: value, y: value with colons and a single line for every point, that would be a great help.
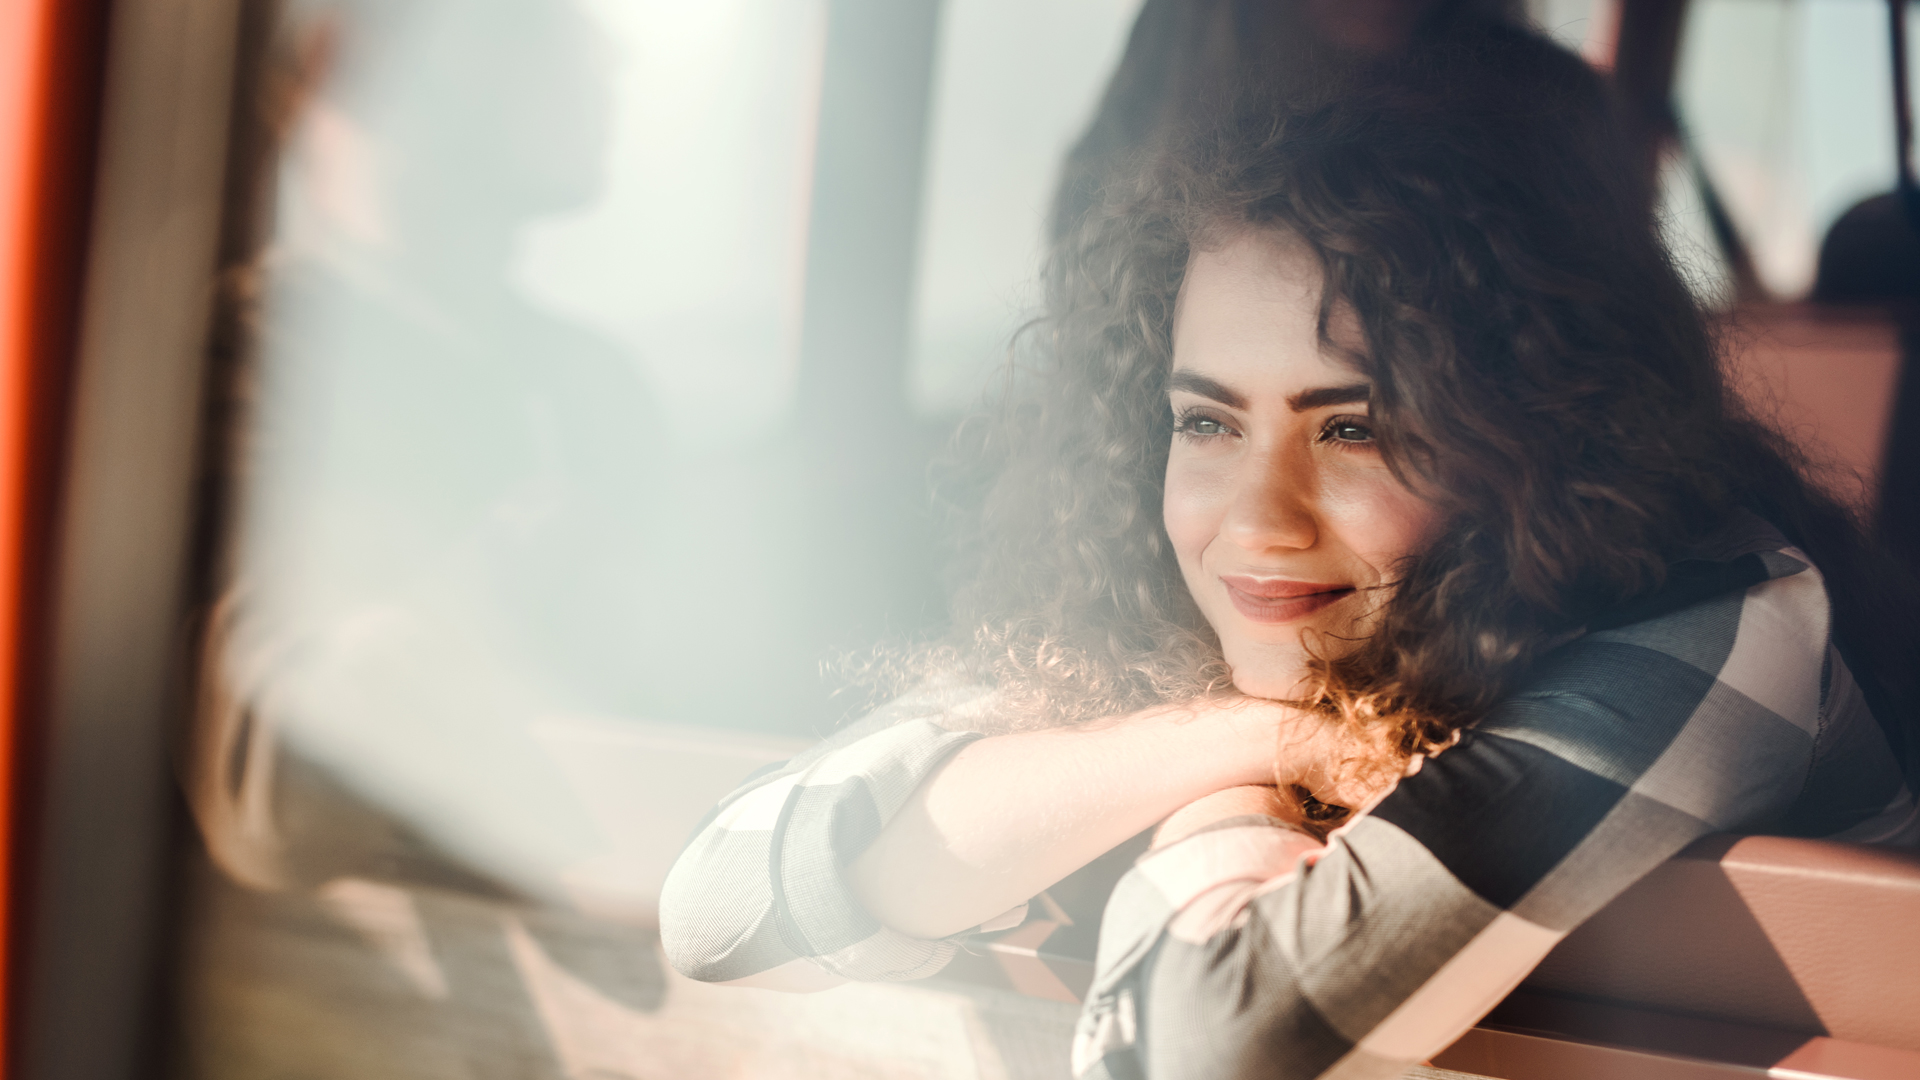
x: 1719, y: 706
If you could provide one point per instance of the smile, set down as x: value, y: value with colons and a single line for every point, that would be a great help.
x: 1277, y: 600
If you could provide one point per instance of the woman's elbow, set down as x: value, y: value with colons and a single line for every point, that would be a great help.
x: 707, y: 932
x: 721, y: 939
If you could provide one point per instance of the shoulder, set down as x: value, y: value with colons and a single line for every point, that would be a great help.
x: 1744, y: 610
x: 1699, y: 713
x: 1718, y: 674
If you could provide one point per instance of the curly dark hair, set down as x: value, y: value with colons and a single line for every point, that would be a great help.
x: 1540, y: 372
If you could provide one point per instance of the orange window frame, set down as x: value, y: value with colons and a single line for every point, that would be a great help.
x: 51, y: 64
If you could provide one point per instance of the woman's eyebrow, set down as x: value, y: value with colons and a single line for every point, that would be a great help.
x: 1321, y: 397
x: 1195, y: 383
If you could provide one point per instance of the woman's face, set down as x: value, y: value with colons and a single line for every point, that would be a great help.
x: 1284, y: 516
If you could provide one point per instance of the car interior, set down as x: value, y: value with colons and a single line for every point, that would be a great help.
x: 446, y: 447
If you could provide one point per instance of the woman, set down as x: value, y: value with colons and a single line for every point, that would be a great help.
x: 1378, y: 475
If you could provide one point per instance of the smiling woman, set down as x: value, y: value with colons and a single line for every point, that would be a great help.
x: 1379, y: 526
x: 1289, y: 526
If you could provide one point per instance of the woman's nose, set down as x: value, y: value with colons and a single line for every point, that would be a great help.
x: 1272, y: 506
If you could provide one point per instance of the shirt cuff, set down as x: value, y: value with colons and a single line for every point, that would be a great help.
x: 831, y: 813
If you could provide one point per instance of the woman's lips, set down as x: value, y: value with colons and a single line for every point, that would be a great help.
x: 1278, y: 600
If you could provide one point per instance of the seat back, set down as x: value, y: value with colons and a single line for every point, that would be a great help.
x: 1801, y: 935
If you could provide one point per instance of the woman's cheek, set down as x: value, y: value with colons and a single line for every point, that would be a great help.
x: 1192, y: 506
x: 1378, y: 519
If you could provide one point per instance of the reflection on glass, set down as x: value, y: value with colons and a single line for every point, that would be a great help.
x: 691, y: 256
x: 1789, y: 103
x: 458, y: 542
x: 1015, y: 85
x: 522, y: 571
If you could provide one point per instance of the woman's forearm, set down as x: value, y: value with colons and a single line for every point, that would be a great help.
x: 1012, y: 814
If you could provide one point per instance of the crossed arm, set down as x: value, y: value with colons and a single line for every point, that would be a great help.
x: 1010, y: 815
x: 867, y: 857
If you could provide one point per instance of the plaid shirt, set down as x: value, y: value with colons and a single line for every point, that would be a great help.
x: 1718, y: 705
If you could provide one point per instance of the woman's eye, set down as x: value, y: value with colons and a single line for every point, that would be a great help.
x: 1346, y: 429
x: 1200, y: 426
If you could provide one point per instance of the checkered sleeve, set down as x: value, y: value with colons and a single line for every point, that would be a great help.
x: 760, y: 886
x: 1242, y: 951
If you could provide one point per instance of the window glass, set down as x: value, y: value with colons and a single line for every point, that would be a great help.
x: 1014, y: 87
x: 531, y: 290
x: 1790, y: 105
x: 1585, y: 26
x: 549, y: 522
x: 536, y: 548
x: 691, y: 257
x: 531, y: 538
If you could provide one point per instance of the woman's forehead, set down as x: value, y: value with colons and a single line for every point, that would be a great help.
x: 1249, y: 309
x: 1266, y: 253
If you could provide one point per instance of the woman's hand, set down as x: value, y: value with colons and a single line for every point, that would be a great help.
x: 1315, y: 775
x: 1327, y: 772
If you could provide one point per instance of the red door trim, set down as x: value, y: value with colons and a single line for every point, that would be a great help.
x: 51, y: 66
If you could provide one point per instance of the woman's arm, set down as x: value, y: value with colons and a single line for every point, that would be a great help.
x: 861, y: 858
x: 1243, y: 949
x: 1008, y: 816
